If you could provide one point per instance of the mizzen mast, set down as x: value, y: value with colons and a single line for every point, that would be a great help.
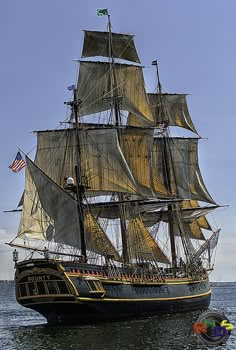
x: 164, y: 123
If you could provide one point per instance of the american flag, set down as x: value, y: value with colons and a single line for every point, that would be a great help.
x: 18, y: 163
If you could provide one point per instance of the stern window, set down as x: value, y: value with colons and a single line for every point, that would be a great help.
x: 22, y: 290
x: 51, y: 287
x: 62, y: 287
x: 41, y: 288
x: 32, y: 288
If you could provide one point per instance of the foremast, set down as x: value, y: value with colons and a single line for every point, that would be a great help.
x: 80, y: 188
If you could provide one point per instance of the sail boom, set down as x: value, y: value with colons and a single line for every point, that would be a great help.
x: 188, y: 214
x: 42, y: 250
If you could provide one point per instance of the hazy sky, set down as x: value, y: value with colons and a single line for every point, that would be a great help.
x: 194, y: 43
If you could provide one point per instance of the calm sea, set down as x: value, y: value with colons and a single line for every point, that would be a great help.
x: 23, y: 329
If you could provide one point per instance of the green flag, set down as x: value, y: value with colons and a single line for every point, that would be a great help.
x: 102, y: 12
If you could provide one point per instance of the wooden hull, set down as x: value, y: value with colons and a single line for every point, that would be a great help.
x: 66, y: 294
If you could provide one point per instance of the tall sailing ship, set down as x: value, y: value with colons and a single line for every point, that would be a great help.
x: 114, y: 208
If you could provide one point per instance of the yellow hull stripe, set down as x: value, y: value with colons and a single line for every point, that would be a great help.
x: 124, y: 281
x: 117, y: 300
x: 110, y: 299
x: 152, y: 283
x: 145, y: 299
x: 45, y: 296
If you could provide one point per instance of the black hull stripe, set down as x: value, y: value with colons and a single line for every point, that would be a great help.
x: 145, y: 299
x: 83, y: 299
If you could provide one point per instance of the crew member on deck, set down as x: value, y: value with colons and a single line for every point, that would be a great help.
x: 69, y: 184
x: 46, y: 253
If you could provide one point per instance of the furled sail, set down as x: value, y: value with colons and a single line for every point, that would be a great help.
x: 110, y: 210
x: 188, y: 215
x: 171, y: 109
x: 180, y: 164
x: 95, y: 91
x: 97, y: 44
x: 141, y: 244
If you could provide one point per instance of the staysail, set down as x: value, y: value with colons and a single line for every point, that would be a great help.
x: 62, y: 210
x: 141, y: 244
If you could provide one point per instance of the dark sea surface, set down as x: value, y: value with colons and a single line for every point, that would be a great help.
x: 23, y: 329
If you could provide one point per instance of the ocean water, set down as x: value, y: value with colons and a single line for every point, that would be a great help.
x: 23, y: 329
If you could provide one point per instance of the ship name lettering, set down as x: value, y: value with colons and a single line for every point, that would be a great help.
x: 38, y: 278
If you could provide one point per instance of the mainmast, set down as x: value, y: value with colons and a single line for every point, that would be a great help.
x: 115, y: 100
x: 166, y: 155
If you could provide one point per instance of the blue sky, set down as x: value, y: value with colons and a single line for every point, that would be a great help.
x: 194, y: 43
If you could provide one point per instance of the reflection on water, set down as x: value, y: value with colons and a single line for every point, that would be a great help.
x: 167, y: 332
x: 24, y: 329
